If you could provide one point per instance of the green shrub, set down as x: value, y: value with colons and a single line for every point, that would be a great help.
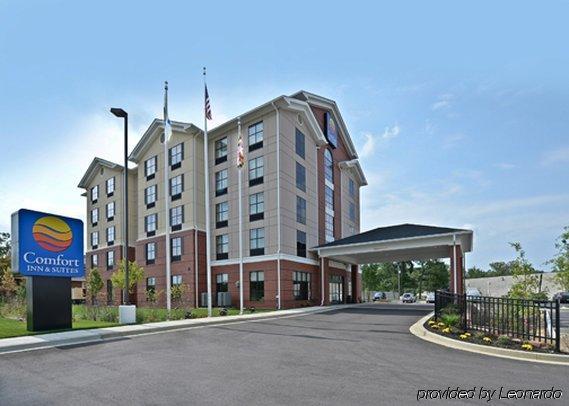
x: 451, y: 319
x: 504, y: 341
x: 450, y: 309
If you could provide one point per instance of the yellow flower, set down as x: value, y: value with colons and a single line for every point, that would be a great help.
x: 463, y: 336
x: 431, y: 322
x: 467, y: 334
x: 434, y: 326
x: 441, y: 324
x: 527, y: 347
x: 487, y: 339
x: 446, y: 330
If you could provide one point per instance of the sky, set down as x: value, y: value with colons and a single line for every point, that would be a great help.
x: 459, y: 112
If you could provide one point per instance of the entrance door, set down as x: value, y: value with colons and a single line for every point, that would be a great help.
x: 336, y: 286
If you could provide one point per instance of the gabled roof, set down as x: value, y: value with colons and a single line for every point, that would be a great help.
x: 155, y: 130
x: 354, y: 165
x: 94, y: 168
x: 330, y: 104
x: 284, y: 102
x: 396, y: 232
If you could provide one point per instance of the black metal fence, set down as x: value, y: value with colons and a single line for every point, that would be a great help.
x: 531, y: 320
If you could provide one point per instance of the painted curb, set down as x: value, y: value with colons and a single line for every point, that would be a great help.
x: 75, y: 337
x: 420, y: 331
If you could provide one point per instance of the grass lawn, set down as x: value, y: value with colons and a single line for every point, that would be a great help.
x: 15, y: 328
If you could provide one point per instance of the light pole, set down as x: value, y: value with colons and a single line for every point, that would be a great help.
x: 123, y: 114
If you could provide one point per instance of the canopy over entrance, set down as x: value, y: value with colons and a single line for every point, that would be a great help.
x: 404, y: 242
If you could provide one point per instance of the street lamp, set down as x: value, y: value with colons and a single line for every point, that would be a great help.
x: 123, y: 114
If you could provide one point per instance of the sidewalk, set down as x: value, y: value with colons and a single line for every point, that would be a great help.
x: 74, y: 337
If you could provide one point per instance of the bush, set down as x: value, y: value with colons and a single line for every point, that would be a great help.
x: 504, y: 341
x: 451, y: 319
x: 451, y: 309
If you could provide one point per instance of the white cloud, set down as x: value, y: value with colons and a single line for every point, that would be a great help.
x: 443, y: 102
x: 556, y: 156
x: 372, y: 141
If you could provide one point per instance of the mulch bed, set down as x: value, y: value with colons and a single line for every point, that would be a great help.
x: 477, y: 337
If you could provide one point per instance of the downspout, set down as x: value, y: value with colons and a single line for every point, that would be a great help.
x: 321, y: 278
x: 195, y: 225
x: 278, y: 206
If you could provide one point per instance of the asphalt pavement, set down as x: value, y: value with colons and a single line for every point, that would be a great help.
x: 360, y: 355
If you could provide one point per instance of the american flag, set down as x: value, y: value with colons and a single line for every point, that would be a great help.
x: 207, y: 105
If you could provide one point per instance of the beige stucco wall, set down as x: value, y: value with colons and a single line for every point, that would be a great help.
x: 102, y: 174
x: 193, y: 193
x: 347, y: 174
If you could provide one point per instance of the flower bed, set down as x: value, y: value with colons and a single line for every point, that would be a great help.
x: 483, y: 338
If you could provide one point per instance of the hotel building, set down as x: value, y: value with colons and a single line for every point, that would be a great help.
x: 300, y: 190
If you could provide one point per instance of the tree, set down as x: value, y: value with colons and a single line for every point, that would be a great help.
x: 561, y: 261
x: 135, y: 275
x: 8, y: 285
x: 177, y: 292
x: 526, y: 282
x: 94, y: 284
x: 475, y: 272
x: 5, y: 249
x: 436, y: 275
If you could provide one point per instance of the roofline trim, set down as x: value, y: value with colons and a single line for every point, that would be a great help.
x: 355, y: 164
x: 90, y: 172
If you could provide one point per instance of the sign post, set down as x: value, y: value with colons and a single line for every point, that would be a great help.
x: 48, y: 251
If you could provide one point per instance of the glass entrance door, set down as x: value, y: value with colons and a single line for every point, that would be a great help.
x: 336, y: 286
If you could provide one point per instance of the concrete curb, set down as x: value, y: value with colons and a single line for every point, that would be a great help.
x: 420, y: 331
x: 42, y: 341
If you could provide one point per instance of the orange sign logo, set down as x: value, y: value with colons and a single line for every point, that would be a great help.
x: 52, y: 234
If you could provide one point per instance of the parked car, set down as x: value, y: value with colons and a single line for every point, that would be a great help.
x: 562, y: 296
x: 408, y: 298
x: 378, y: 296
x: 473, y: 292
x: 430, y: 297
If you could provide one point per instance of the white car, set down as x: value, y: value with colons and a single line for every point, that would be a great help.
x: 408, y: 298
x: 430, y: 297
x: 473, y: 292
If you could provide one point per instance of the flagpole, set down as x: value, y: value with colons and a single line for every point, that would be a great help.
x: 207, y: 202
x: 240, y: 170
x: 166, y: 202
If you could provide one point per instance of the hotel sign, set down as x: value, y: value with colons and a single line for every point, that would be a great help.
x: 46, y: 244
x: 331, y: 130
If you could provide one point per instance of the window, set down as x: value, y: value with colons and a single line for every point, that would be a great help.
x: 150, y: 224
x: 221, y: 182
x: 176, y: 244
x: 222, y: 246
x: 150, y: 285
x: 176, y: 187
x: 221, y: 150
x: 329, y: 198
x: 299, y: 143
x: 150, y: 195
x: 109, y: 292
x: 301, y: 285
x: 150, y: 167
x: 256, y: 171
x: 328, y: 166
x: 94, y: 239
x: 176, y: 217
x: 110, y: 235
x: 257, y: 285
x: 176, y: 280
x: 176, y: 155
x: 300, y: 210
x: 352, y: 211
x: 110, y: 259
x: 255, y: 136
x: 221, y: 214
x: 257, y: 241
x: 352, y: 188
x: 110, y: 186
x: 94, y: 194
x: 329, y: 227
x: 94, y: 216
x: 150, y: 253
x: 300, y: 243
x: 110, y: 208
x: 94, y: 261
x: 222, y: 282
x: 300, y: 177
x: 256, y: 206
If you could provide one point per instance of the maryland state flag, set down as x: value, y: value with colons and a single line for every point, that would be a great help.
x: 240, y: 150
